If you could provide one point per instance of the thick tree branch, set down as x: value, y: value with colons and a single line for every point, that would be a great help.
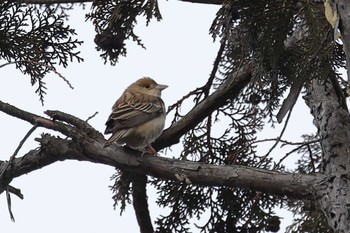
x: 56, y: 149
x: 344, y: 13
x: 227, y: 90
x: 333, y: 123
x: 86, y: 148
x: 139, y: 197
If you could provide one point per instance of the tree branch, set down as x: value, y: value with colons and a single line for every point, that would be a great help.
x: 333, y: 123
x: 140, y: 204
x: 344, y: 13
x: 73, y: 129
x: 56, y: 149
x: 227, y: 90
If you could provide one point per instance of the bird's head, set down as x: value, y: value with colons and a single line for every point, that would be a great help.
x: 147, y: 86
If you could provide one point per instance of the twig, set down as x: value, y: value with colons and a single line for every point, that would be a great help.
x: 3, y: 65
x: 286, y: 155
x: 207, y: 86
x: 194, y: 92
x: 311, y: 159
x: 278, y: 138
x: 285, y: 141
x: 15, y: 191
x: 53, y: 69
x: 17, y: 149
x: 8, y: 198
x: 23, y: 141
x: 90, y: 117
x: 10, y: 189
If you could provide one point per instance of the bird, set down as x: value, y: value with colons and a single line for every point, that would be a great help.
x: 138, y: 116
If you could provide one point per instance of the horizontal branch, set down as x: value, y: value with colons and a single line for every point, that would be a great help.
x: 56, y: 149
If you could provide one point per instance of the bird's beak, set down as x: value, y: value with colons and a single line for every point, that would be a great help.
x: 161, y: 87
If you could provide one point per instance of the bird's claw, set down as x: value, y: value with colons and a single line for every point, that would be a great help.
x: 149, y: 150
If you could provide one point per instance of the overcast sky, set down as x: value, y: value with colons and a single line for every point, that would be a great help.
x: 75, y: 196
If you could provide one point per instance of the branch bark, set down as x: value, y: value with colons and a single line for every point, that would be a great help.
x: 87, y: 145
x: 139, y: 197
x: 333, y: 123
x: 344, y: 13
x: 56, y: 149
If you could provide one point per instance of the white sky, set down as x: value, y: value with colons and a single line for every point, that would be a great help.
x: 74, y: 196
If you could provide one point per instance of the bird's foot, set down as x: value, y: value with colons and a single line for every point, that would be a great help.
x: 149, y: 150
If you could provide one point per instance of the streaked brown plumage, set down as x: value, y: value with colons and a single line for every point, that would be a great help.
x: 138, y: 116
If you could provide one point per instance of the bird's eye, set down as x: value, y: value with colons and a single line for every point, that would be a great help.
x: 147, y: 86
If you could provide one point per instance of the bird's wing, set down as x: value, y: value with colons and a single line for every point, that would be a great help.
x: 130, y: 114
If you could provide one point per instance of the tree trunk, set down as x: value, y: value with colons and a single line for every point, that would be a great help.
x: 333, y: 123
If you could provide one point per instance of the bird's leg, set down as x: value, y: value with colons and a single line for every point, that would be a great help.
x: 149, y: 150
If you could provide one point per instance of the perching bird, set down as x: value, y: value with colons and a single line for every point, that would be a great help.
x: 138, y: 116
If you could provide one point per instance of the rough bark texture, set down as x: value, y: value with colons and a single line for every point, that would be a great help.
x: 344, y: 13
x: 333, y: 123
x: 56, y: 149
x: 139, y: 201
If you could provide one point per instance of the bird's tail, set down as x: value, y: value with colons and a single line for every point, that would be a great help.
x: 116, y: 136
x: 107, y: 144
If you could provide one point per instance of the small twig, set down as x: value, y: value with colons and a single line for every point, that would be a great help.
x: 9, y: 63
x: 17, y: 149
x: 286, y: 143
x: 90, y: 117
x: 8, y: 198
x: 311, y: 159
x: 23, y: 141
x: 207, y: 86
x: 10, y: 189
x: 194, y: 92
x: 287, y: 154
x: 278, y: 138
x: 208, y: 137
x: 53, y: 69
x: 15, y: 191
